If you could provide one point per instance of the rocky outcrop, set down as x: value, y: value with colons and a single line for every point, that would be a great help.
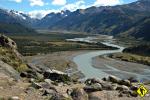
x: 7, y: 42
x: 9, y: 70
x: 112, y: 83
x: 55, y: 75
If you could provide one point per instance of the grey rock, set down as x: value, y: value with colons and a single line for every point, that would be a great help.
x: 9, y: 70
x: 7, y: 42
x: 58, y: 76
x: 93, y: 87
x: 36, y: 85
x: 35, y: 68
x: 114, y: 79
x: 79, y: 94
x: 92, y: 81
x: 125, y: 82
x: 107, y: 86
x: 122, y: 88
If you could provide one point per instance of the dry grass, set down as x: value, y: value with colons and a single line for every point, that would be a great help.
x: 9, y: 57
x: 132, y: 58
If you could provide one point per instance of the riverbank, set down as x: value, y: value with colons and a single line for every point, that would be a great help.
x: 62, y: 61
x: 129, y: 57
x: 122, y: 69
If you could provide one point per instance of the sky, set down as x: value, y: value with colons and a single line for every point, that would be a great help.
x: 39, y: 8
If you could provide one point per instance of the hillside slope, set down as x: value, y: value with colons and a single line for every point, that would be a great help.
x: 139, y: 30
x: 14, y: 22
x: 110, y: 20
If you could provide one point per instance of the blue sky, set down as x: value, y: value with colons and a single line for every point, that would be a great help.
x: 41, y: 7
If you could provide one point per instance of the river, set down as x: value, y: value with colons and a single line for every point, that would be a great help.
x: 84, y: 63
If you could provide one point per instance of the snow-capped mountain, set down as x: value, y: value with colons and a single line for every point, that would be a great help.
x: 14, y: 21
x: 52, y: 18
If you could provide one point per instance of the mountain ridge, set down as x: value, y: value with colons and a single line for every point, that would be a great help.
x: 109, y: 20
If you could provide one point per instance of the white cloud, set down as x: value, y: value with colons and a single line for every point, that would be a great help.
x: 80, y: 4
x: 59, y: 2
x: 74, y: 6
x: 18, y: 1
x: 107, y: 2
x: 41, y: 13
x: 36, y: 3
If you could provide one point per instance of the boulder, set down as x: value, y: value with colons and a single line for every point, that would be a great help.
x: 79, y: 94
x: 29, y: 74
x: 114, y: 79
x: 107, y: 86
x: 56, y: 76
x: 125, y: 82
x: 122, y: 88
x: 92, y: 81
x: 93, y: 87
x: 35, y: 68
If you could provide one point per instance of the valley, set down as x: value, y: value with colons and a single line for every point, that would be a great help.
x: 74, y: 51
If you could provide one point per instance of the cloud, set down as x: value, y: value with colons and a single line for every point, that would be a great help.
x: 18, y: 1
x: 74, y: 6
x: 107, y: 2
x: 41, y: 13
x: 36, y: 3
x: 59, y: 2
x: 80, y: 4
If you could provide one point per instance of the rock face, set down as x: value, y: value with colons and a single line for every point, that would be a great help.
x: 8, y: 70
x: 7, y: 42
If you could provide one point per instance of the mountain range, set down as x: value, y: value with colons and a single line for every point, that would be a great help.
x: 122, y: 20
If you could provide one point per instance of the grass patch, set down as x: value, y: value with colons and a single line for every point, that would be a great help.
x: 9, y: 57
x: 29, y: 45
x: 131, y: 58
